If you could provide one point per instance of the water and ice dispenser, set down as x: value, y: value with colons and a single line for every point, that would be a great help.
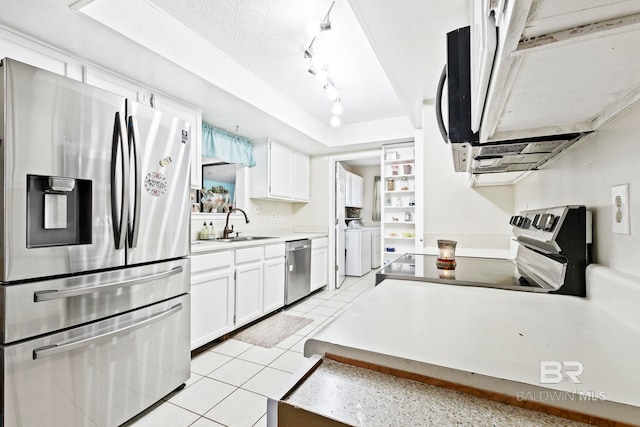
x: 58, y: 211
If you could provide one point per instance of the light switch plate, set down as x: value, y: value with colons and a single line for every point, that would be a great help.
x: 621, y: 212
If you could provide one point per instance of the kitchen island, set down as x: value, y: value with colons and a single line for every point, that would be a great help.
x: 502, y: 345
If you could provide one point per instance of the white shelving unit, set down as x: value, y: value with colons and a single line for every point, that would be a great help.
x: 398, y: 201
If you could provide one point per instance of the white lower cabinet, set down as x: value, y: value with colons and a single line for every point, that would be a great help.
x: 273, y: 277
x: 319, y: 263
x: 212, y: 297
x: 232, y: 288
x: 249, y: 284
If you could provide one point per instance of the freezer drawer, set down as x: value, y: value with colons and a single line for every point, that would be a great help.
x: 46, y: 306
x: 100, y: 374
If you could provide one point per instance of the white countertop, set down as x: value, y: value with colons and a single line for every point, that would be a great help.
x: 493, y: 339
x: 204, y: 246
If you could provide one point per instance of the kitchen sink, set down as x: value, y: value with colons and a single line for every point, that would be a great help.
x: 241, y: 239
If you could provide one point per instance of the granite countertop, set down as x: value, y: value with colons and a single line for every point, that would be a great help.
x: 360, y: 397
x: 495, y: 340
x: 204, y: 246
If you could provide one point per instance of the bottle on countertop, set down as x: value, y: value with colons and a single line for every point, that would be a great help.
x: 212, y: 231
x: 204, y: 232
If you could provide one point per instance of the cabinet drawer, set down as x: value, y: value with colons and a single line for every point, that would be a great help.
x: 249, y: 254
x: 321, y: 242
x: 211, y: 261
x: 274, y: 251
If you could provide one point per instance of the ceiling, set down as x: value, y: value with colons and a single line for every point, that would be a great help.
x: 243, y: 61
x: 269, y: 39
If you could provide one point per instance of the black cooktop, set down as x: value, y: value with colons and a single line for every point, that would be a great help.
x: 469, y: 271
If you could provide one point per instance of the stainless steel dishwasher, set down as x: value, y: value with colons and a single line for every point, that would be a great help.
x: 298, y: 278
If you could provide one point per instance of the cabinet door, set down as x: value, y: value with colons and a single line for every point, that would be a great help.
x: 348, y: 201
x: 107, y: 81
x: 280, y: 170
x: 249, y: 292
x: 300, y: 176
x: 273, y: 284
x: 319, y: 274
x: 212, y: 295
x: 357, y: 189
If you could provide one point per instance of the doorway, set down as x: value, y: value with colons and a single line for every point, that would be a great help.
x: 365, y: 164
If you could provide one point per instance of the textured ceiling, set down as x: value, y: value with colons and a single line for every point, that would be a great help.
x: 385, y: 60
x: 269, y: 38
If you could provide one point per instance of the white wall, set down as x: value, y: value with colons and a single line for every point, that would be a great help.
x: 478, y: 218
x: 314, y: 216
x: 584, y: 175
x: 259, y: 213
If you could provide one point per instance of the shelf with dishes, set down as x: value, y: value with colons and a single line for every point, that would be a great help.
x: 399, y: 183
x: 401, y: 237
x: 400, y: 187
x: 401, y: 176
x: 400, y: 201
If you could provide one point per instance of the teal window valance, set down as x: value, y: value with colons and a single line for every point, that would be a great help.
x: 226, y: 146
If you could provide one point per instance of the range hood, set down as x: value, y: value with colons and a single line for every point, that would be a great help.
x: 517, y: 155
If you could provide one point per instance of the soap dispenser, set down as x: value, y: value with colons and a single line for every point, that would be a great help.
x: 212, y: 231
x: 204, y: 232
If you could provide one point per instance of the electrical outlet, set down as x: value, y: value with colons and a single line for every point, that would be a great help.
x: 273, y: 215
x: 621, y: 211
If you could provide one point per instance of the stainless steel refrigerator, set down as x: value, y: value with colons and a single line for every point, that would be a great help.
x: 94, y: 233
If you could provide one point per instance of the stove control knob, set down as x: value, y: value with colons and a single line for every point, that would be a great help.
x: 549, y: 222
x: 512, y: 221
x: 526, y: 223
x: 536, y: 221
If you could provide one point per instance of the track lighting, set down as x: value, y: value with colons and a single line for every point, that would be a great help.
x: 337, y: 107
x: 322, y: 76
x: 331, y: 91
x: 314, y: 28
x: 325, y: 24
x: 319, y: 66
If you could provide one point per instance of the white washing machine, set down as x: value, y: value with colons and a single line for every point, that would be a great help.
x: 358, y: 252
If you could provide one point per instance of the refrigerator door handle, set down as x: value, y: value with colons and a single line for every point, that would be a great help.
x: 54, y: 349
x: 118, y: 191
x: 52, y: 294
x: 134, y: 221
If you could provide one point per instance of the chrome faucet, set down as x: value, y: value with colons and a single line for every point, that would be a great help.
x: 227, y: 230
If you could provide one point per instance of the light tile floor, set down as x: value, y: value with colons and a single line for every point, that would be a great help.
x: 230, y: 382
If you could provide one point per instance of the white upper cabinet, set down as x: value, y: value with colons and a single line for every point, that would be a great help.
x: 280, y: 164
x: 562, y: 67
x: 24, y: 50
x: 354, y: 190
x: 279, y: 174
x: 115, y: 84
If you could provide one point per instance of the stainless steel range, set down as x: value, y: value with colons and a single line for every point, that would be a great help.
x: 93, y: 237
x: 552, y: 255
